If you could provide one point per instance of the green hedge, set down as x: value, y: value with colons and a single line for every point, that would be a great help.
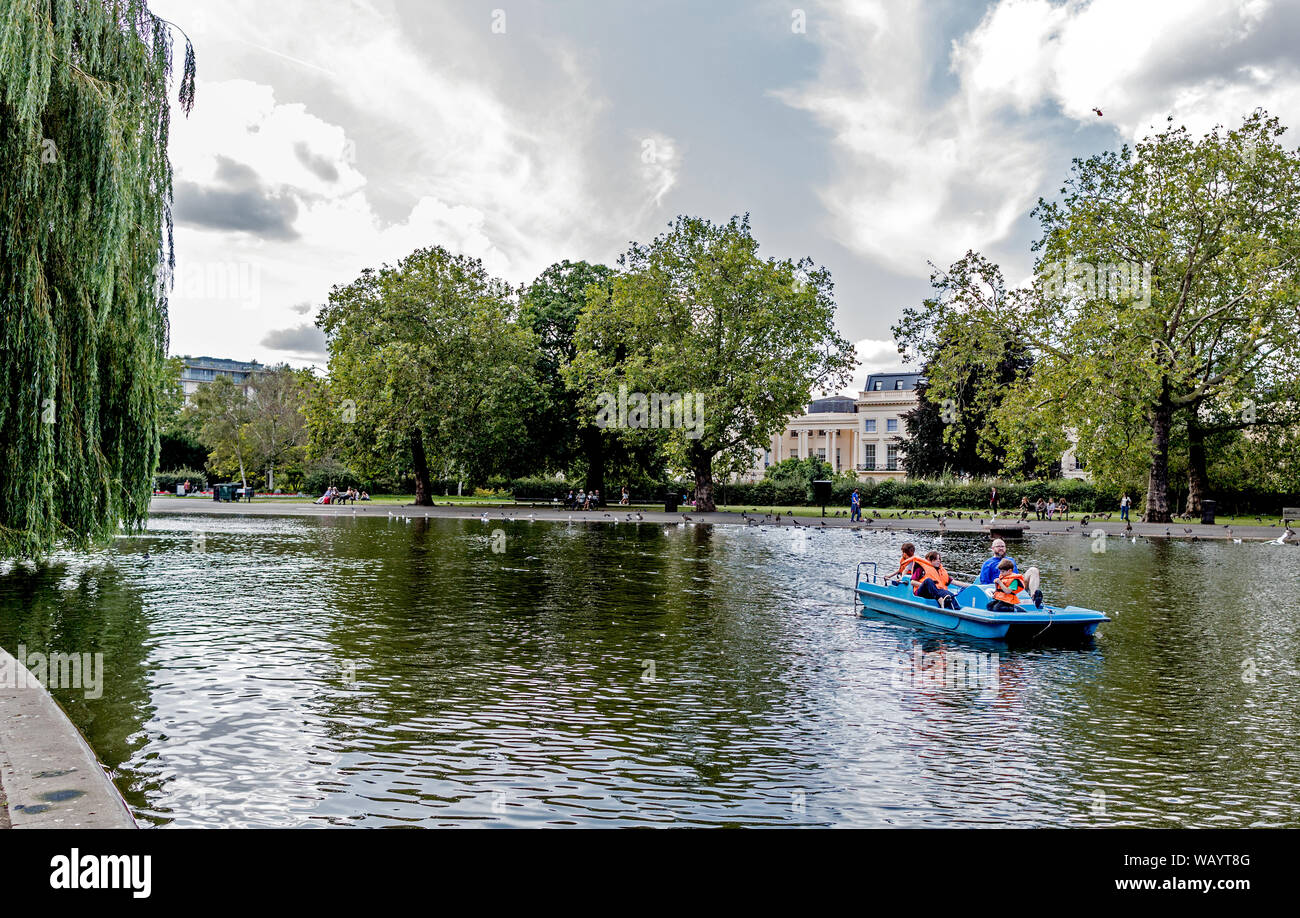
x: 1081, y: 495
x: 167, y: 481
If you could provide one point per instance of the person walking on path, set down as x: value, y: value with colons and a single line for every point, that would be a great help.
x: 1123, y: 507
x: 993, y: 501
x: 855, y: 507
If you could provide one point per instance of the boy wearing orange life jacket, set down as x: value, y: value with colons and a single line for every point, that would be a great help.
x: 928, y: 581
x: 1007, y: 589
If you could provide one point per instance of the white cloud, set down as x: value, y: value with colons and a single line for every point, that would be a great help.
x: 926, y: 168
x: 1203, y: 61
x: 471, y: 167
x: 874, y: 355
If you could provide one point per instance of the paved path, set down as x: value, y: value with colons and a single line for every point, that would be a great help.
x: 51, y: 778
x: 1112, y: 527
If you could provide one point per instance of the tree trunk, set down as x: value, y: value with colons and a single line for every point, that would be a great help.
x: 1198, y: 479
x: 702, y: 464
x: 1157, y: 510
x: 423, y: 484
x: 593, y: 446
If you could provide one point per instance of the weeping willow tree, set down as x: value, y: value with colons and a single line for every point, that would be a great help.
x: 85, y: 263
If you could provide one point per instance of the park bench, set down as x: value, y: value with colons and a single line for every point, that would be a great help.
x: 1290, y: 515
x: 553, y: 503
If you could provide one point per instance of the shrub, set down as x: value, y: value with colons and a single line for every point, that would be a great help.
x: 167, y: 481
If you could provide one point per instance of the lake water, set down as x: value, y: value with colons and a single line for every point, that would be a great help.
x: 369, y: 672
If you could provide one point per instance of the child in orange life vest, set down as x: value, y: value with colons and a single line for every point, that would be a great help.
x: 927, y: 581
x: 1007, y: 588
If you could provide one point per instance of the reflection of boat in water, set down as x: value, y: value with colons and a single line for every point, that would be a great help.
x: 971, y: 617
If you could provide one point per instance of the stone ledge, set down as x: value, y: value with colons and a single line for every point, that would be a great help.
x: 50, y: 776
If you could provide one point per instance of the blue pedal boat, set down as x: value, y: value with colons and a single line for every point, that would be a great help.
x: 972, y: 618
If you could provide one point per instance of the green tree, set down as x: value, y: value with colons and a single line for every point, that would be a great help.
x: 560, y: 431
x: 429, y: 368
x: 222, y: 413
x: 178, y: 443
x: 801, y: 473
x: 85, y: 233
x: 1167, y: 278
x: 951, y: 435
x: 699, y: 314
x: 277, y: 424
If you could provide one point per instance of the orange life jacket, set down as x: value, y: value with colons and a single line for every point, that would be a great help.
x: 1008, y: 585
x: 943, y: 578
x: 927, y: 568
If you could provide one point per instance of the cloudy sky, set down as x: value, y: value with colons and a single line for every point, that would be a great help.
x: 873, y: 135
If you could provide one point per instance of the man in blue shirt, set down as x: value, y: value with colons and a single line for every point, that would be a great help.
x: 855, y: 506
x: 989, y: 572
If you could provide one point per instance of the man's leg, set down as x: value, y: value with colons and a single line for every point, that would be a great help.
x: 1031, y: 582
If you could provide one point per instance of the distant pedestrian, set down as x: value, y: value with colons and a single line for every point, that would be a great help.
x: 855, y: 506
x: 993, y: 501
x: 1123, y: 507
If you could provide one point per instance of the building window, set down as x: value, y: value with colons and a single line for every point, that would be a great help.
x: 837, y: 459
x: 877, y: 386
x: 891, y: 458
x: 821, y: 453
x: 869, y: 457
x: 898, y: 384
x: 870, y: 425
x: 891, y: 426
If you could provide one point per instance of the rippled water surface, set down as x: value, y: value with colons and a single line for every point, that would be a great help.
x: 369, y: 672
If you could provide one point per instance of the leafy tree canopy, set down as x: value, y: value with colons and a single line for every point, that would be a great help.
x: 698, y: 313
x: 1167, y: 278
x: 85, y: 251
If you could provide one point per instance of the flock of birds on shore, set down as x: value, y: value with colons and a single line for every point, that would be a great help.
x: 790, y: 521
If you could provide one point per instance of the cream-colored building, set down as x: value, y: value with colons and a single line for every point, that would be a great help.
x: 861, y: 435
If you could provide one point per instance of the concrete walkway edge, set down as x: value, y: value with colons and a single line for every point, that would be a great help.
x: 50, y: 776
